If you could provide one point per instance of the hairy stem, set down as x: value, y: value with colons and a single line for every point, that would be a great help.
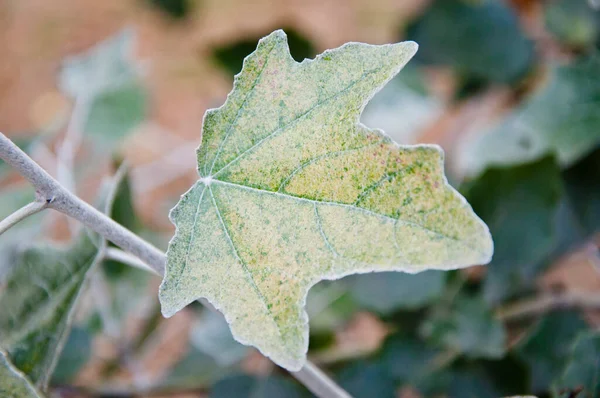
x: 53, y: 195
x: 59, y: 198
x: 318, y: 382
x: 21, y: 214
x: 112, y: 253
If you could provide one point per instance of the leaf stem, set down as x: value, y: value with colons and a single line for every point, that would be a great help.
x: 21, y: 214
x: 53, y: 195
x: 112, y: 253
x: 318, y: 382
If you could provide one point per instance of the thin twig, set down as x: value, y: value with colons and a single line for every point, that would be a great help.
x: 318, y: 382
x: 546, y: 303
x: 62, y: 200
x: 21, y: 214
x: 112, y: 253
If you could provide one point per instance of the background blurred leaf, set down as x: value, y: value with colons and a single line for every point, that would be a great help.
x: 583, y: 191
x: 38, y: 302
x: 465, y: 35
x: 403, y: 108
x: 472, y: 383
x: 196, y: 369
x: 231, y: 57
x: 117, y: 111
x: 562, y: 118
x: 469, y: 326
x: 541, y: 350
x: 106, y: 79
x: 75, y: 354
x: 211, y: 335
x: 385, y: 292
x: 13, y: 383
x: 257, y: 387
x: 408, y: 359
x: 519, y: 205
x: 583, y: 368
x: 365, y: 379
x: 177, y: 9
x: 573, y: 22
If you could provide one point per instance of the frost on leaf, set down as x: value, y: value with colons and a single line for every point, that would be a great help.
x: 294, y: 190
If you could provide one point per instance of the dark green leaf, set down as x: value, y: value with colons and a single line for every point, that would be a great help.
x: 196, y: 369
x: 76, y: 353
x: 232, y: 56
x: 243, y: 386
x: 469, y: 327
x: 519, y: 205
x: 38, y: 302
x: 386, y: 292
x: 547, y: 348
x: 583, y: 191
x: 407, y: 359
x: 583, y: 366
x: 366, y: 380
x: 176, y: 9
x: 472, y: 384
x: 480, y: 39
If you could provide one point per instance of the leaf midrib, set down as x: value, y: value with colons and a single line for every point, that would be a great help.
x: 346, y: 205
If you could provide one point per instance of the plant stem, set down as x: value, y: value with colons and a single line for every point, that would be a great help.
x: 60, y: 199
x: 546, y: 303
x: 55, y: 196
x: 21, y: 214
x: 318, y: 382
x: 115, y: 254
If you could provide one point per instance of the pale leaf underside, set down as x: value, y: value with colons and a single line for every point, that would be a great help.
x: 294, y: 190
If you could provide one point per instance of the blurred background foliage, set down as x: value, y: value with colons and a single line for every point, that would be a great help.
x: 510, y: 90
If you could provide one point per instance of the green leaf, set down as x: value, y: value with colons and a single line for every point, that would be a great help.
x: 195, y: 370
x: 13, y: 383
x: 408, y: 359
x: 257, y: 387
x: 472, y: 383
x: 38, y: 303
x: 210, y: 334
x: 75, y: 354
x: 573, y: 22
x: 583, y: 192
x: 294, y: 190
x: 387, y: 292
x: 547, y: 348
x: 479, y: 39
x: 519, y: 204
x: 583, y: 366
x: 562, y: 118
x: 106, y: 79
x: 116, y: 112
x: 365, y: 380
x: 468, y: 327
